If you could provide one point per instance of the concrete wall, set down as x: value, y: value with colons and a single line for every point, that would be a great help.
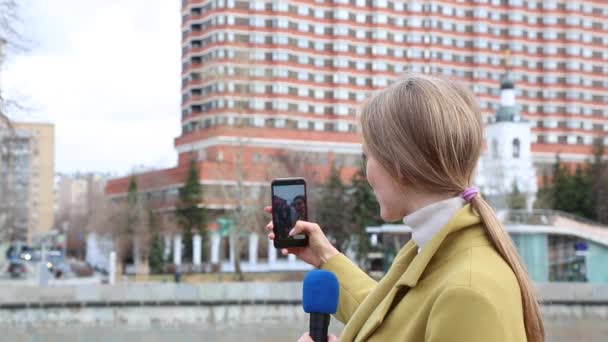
x: 211, y: 304
x: 597, y: 263
x: 533, y: 249
x: 246, y: 293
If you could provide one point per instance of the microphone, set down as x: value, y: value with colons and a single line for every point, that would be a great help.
x: 320, y: 297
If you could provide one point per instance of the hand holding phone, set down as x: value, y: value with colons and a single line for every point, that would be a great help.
x: 288, y: 206
x: 319, y: 249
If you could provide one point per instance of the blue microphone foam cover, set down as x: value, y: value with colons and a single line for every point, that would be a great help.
x: 321, y: 292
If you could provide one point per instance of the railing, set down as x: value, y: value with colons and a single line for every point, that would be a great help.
x: 545, y: 217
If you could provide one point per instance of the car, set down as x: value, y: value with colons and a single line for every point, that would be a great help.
x: 54, y: 258
x: 62, y: 270
x: 17, y: 269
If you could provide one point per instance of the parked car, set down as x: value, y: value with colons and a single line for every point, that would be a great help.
x: 17, y: 269
x: 53, y: 258
x: 62, y: 270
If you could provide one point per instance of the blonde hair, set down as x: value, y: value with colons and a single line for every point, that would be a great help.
x: 427, y: 130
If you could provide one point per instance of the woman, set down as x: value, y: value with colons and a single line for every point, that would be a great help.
x: 299, y: 203
x: 459, y: 278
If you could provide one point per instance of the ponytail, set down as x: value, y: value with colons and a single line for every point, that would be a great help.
x: 533, y: 321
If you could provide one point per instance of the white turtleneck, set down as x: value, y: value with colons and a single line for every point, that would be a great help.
x: 428, y: 221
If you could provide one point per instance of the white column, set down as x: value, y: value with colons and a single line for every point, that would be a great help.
x: 136, y: 255
x: 167, y: 247
x: 530, y: 202
x: 43, y: 271
x: 196, y: 249
x: 253, y: 248
x: 177, y: 249
x: 112, y: 268
x: 272, y: 253
x: 232, y: 247
x: 215, y: 248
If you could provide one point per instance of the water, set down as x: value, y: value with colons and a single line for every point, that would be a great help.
x: 566, y: 330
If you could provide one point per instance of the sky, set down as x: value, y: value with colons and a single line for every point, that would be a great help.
x: 107, y: 74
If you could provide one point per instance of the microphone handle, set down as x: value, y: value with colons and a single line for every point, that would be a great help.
x: 319, y: 322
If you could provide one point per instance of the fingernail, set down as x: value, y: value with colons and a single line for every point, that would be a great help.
x: 291, y: 232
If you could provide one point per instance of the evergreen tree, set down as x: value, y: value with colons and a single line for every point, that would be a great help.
x: 132, y: 205
x: 190, y: 216
x: 573, y: 193
x: 598, y: 177
x: 582, y: 188
x: 365, y: 210
x: 544, y: 197
x: 517, y: 200
x: 561, y: 187
x: 132, y: 221
x: 155, y: 258
x: 333, y: 210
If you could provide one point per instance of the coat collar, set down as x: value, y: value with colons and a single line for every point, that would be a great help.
x: 408, y: 267
x: 464, y: 218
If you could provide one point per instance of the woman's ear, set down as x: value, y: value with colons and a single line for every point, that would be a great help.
x: 401, y: 177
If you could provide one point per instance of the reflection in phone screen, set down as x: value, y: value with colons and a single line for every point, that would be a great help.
x: 288, y: 206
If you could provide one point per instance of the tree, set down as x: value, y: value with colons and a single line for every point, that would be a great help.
x: 517, y: 200
x: 133, y: 219
x: 333, y: 213
x: 598, y: 177
x: 9, y: 38
x: 9, y: 18
x: 190, y: 214
x: 544, y: 198
x: 560, y: 187
x: 365, y: 210
x: 582, y: 193
x: 155, y: 258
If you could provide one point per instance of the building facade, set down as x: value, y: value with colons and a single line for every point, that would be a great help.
x: 262, y: 76
x: 507, y: 165
x: 27, y: 171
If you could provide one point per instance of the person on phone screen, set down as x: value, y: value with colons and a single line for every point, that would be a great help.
x: 299, y: 204
x: 459, y: 278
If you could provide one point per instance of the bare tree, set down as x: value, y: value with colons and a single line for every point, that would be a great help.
x: 10, y: 38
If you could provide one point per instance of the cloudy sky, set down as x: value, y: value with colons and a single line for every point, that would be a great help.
x: 107, y: 74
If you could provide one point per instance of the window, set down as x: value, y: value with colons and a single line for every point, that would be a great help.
x: 282, y: 23
x: 258, y: 122
x: 341, y: 110
x: 319, y: 125
x: 341, y: 31
x: 341, y: 14
x: 281, y: 6
x: 516, y: 148
x: 319, y: 94
x: 302, y: 10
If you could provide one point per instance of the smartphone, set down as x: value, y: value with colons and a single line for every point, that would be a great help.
x: 288, y: 206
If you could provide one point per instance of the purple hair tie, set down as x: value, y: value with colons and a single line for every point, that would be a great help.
x: 469, y: 194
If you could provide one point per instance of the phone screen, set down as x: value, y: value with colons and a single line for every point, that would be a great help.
x: 288, y: 206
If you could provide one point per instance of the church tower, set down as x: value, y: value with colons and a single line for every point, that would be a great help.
x: 507, y: 162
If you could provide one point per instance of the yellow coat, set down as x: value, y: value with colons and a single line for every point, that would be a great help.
x: 457, y: 289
